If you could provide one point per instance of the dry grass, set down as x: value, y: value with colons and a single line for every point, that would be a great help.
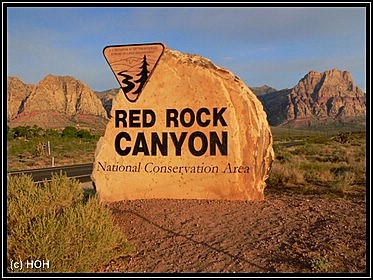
x: 26, y: 153
x: 319, y: 164
x: 55, y: 223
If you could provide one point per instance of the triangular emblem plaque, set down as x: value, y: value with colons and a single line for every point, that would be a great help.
x: 133, y: 65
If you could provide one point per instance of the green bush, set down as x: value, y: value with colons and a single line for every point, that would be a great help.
x: 83, y: 133
x: 26, y: 132
x: 54, y: 222
x: 70, y: 132
x: 22, y: 132
x: 51, y: 133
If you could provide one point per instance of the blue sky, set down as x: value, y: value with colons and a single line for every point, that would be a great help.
x: 276, y: 46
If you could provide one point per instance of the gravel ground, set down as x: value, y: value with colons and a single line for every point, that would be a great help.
x: 283, y: 233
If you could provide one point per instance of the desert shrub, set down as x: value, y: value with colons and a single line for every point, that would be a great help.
x: 282, y: 154
x: 54, y: 222
x: 359, y: 169
x: 26, y: 132
x: 320, y: 264
x: 321, y: 139
x: 21, y: 132
x: 9, y: 133
x: 22, y: 147
x: 307, y: 149
x: 343, y: 182
x: 314, y: 163
x: 83, y: 133
x: 284, y: 175
x: 51, y: 133
x: 317, y: 172
x: 69, y: 132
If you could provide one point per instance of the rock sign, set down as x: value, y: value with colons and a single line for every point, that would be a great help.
x: 195, y: 132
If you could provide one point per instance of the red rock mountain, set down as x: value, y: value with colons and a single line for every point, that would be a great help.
x: 330, y: 96
x: 55, y: 102
x: 58, y: 101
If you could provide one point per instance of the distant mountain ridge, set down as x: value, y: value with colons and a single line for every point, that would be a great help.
x: 265, y: 89
x: 55, y: 102
x: 318, y: 98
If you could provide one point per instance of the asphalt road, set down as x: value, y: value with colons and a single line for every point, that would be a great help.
x: 81, y: 172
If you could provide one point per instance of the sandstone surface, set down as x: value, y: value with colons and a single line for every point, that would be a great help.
x: 227, y: 154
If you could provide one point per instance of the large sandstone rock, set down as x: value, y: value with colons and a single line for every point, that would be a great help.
x: 318, y: 97
x: 233, y: 165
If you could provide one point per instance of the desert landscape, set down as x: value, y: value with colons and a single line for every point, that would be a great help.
x: 183, y: 141
x: 313, y: 217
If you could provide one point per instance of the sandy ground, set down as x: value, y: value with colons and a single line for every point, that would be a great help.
x: 280, y: 234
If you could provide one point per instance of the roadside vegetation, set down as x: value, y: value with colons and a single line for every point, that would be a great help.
x: 321, y: 163
x: 61, y: 223
x: 331, y: 163
x: 57, y: 223
x: 27, y: 147
x: 59, y: 226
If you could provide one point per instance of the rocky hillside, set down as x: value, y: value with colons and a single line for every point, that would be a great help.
x: 55, y: 102
x: 318, y: 98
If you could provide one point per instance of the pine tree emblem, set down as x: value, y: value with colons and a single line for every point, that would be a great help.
x: 133, y: 65
x: 143, y: 75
